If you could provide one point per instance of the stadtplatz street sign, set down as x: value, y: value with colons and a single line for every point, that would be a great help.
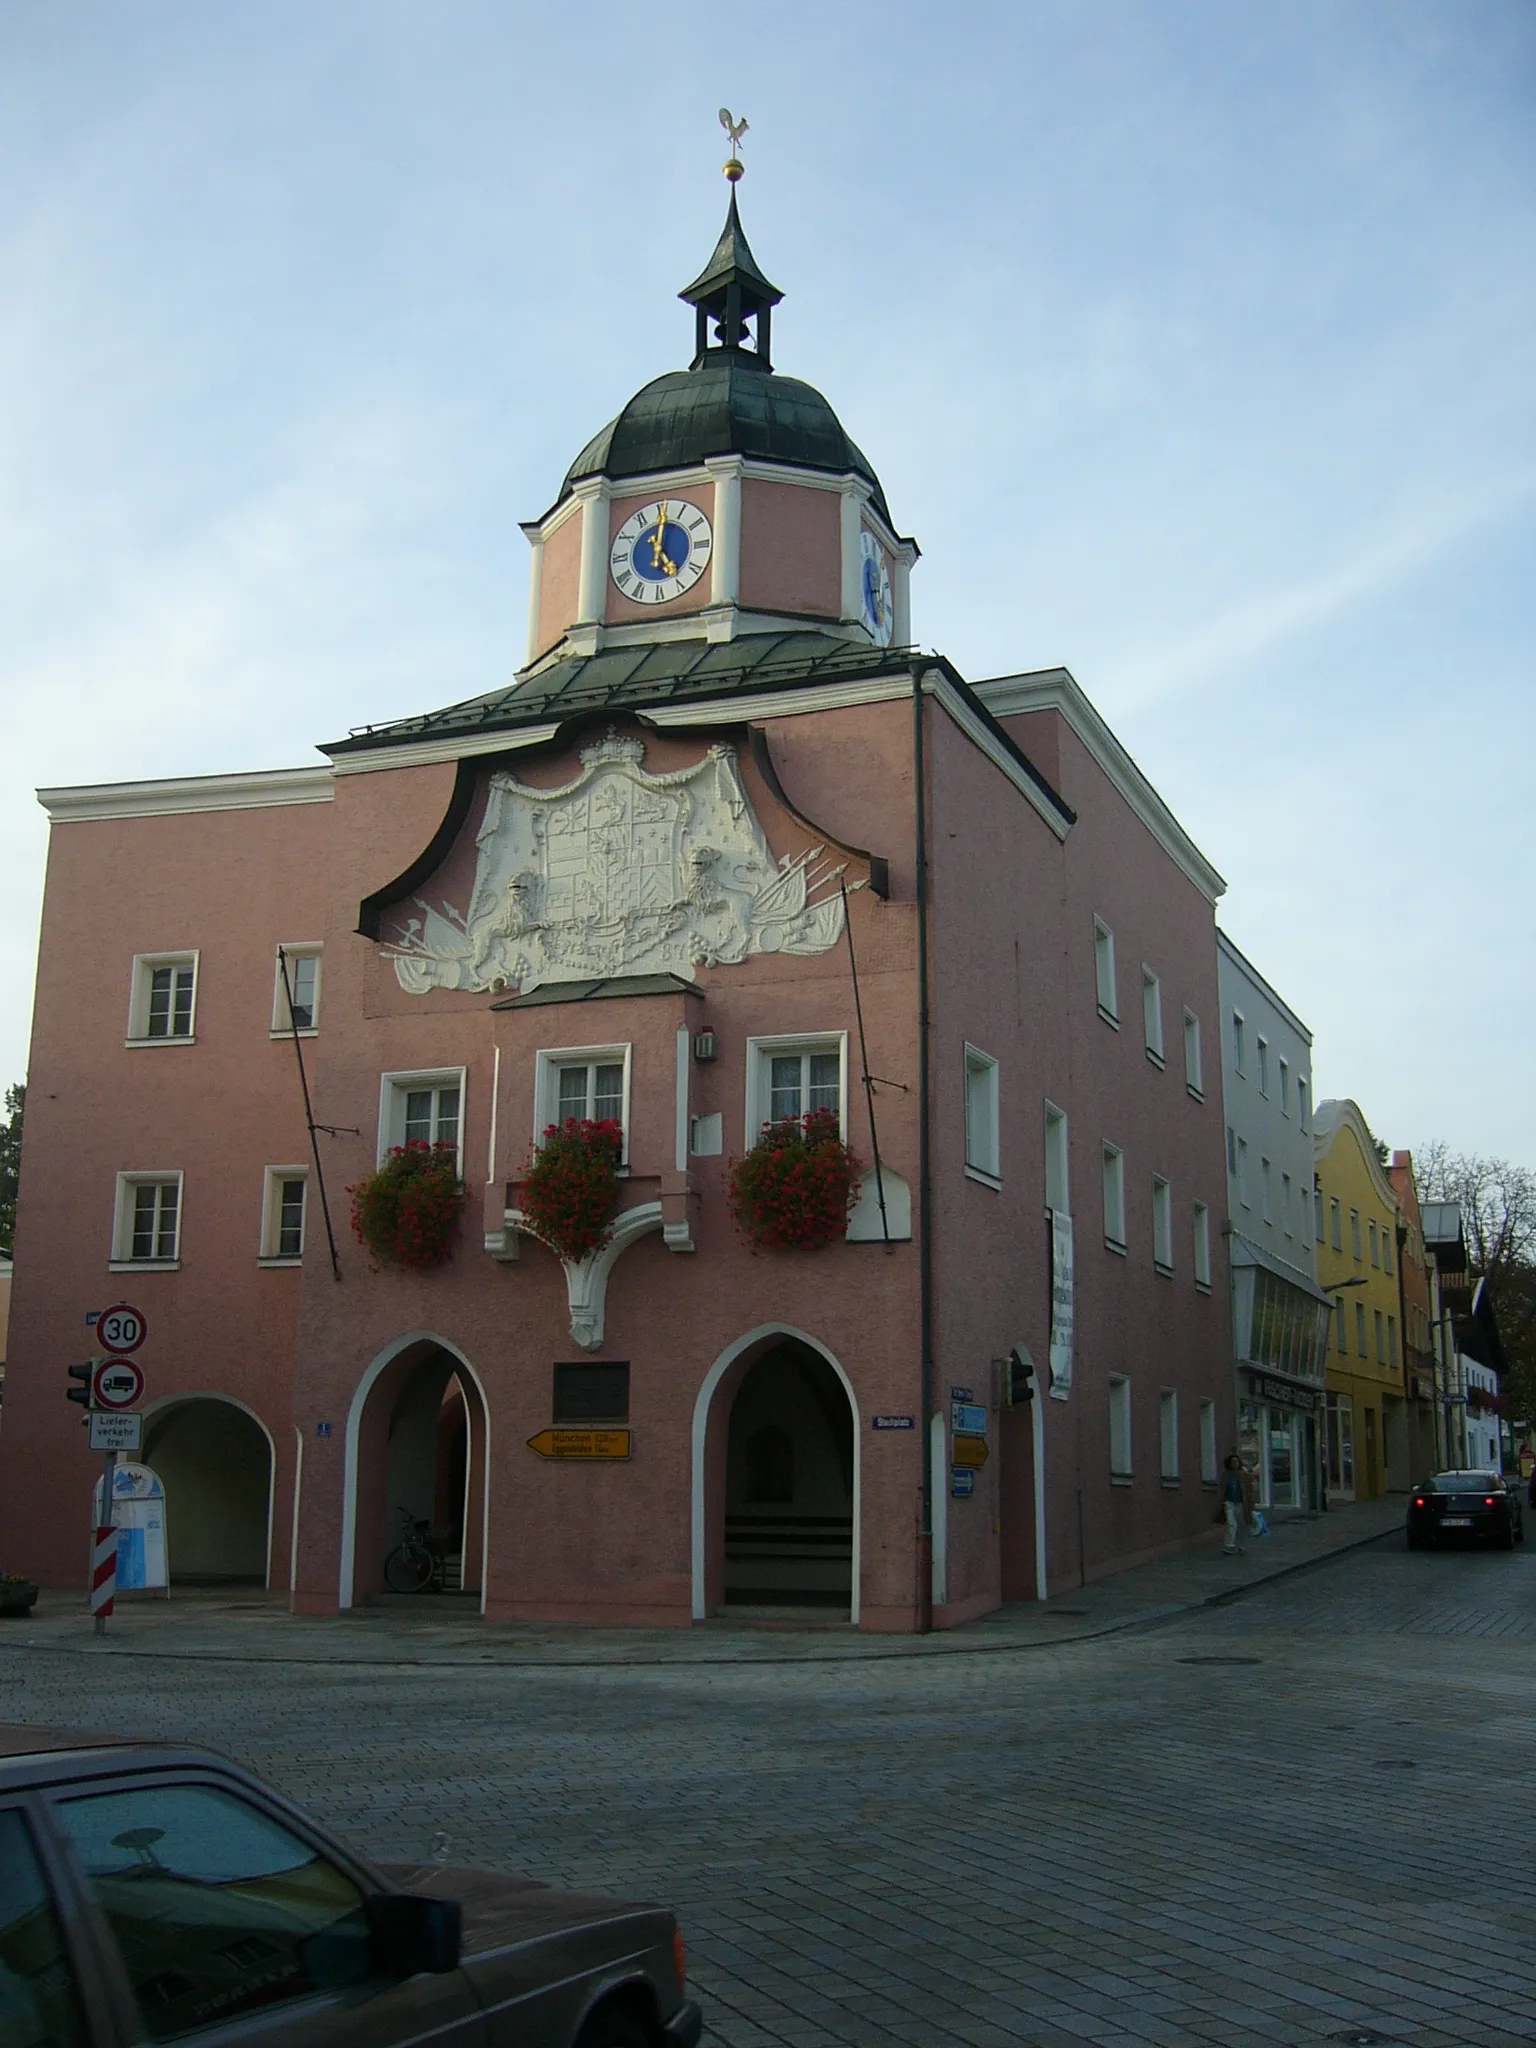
x: 581, y: 1443
x: 121, y: 1328
x: 119, y: 1383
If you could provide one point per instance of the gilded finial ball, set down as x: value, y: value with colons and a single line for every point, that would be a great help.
x: 734, y: 167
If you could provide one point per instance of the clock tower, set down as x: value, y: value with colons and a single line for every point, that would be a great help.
x: 724, y: 501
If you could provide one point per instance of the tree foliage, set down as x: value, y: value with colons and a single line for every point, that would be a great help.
x: 1497, y: 1200
x: 10, y: 1162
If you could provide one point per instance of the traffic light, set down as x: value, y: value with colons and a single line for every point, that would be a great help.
x: 1018, y: 1377
x: 81, y: 1395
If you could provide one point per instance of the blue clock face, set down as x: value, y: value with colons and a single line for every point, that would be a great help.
x: 660, y: 551
x: 879, y: 612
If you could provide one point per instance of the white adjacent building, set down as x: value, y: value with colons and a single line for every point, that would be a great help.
x: 1279, y: 1314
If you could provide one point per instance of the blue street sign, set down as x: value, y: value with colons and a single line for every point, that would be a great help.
x: 322, y: 1429
x: 962, y: 1482
x: 893, y: 1422
x: 961, y: 1394
x: 967, y: 1418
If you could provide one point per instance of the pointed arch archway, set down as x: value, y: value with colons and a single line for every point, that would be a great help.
x: 217, y: 1461
x: 711, y: 1424
x: 415, y: 1371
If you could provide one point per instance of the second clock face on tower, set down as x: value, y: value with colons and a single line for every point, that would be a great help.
x: 660, y: 551
x: 875, y: 577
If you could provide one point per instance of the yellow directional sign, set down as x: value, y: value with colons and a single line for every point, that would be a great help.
x: 968, y: 1450
x: 581, y: 1443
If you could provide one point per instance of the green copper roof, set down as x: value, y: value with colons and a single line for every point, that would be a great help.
x: 724, y: 407
x: 633, y: 677
x: 732, y: 263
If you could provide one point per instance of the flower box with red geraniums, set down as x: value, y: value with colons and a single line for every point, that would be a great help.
x: 570, y: 1188
x: 795, y: 1189
x: 407, y: 1213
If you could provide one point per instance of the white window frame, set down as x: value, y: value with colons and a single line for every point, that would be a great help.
x: 1356, y: 1242
x: 1239, y: 1043
x: 1058, y: 1160
x: 144, y: 965
x: 1121, y: 1442
x: 1379, y: 1327
x: 1388, y: 1232
x: 1285, y: 1087
x: 1162, y: 1225
x: 982, y: 1107
x: 1261, y: 1059
x: 122, y: 1259
x: 1202, y: 1238
x: 1152, y: 1015
x: 1266, y: 1189
x: 1335, y: 1221
x: 1105, y: 986
x: 1113, y: 1157
x: 1285, y: 1205
x: 1362, y: 1350
x: 1242, y: 1173
x: 273, y: 1178
x: 301, y: 949
x: 393, y: 1089
x: 1373, y: 1237
x: 548, y: 1065
x: 1301, y: 1101
x: 1194, y: 1067
x: 1208, y: 1467
x: 760, y: 1052
x: 1168, y: 1435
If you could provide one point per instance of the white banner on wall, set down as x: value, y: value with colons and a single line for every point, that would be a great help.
x: 1061, y: 1305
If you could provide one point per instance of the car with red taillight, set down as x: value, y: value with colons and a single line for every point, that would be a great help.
x: 1471, y: 1507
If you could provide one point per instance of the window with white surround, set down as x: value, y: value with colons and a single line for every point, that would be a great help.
x: 1114, y: 1198
x: 1341, y: 1334
x: 1162, y: 1224
x: 1194, y: 1073
x: 1242, y: 1172
x: 283, y: 1200
x: 147, y: 1227
x: 303, y: 964
x: 1317, y: 1210
x: 1386, y: 1248
x: 1202, y: 1247
x: 1207, y: 1443
x: 1381, y: 1336
x: 162, y: 1003
x: 1354, y: 1234
x: 982, y: 1146
x: 1301, y: 1102
x: 1285, y: 1087
x: 1058, y: 1187
x: 1263, y: 1062
x: 1375, y: 1253
x: 1285, y: 1204
x: 422, y: 1109
x: 587, y: 1082
x: 1152, y: 1014
x: 1392, y: 1342
x: 1104, y: 972
x: 1335, y: 1217
x: 1168, y: 1433
x: 1360, y: 1350
x: 793, y: 1076
x: 1266, y: 1179
x: 1119, y: 1427
x: 1239, y: 1043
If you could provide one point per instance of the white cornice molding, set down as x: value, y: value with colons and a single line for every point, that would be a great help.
x: 980, y: 736
x: 704, y: 472
x: 265, y: 789
x: 1057, y: 689
x: 427, y: 753
x: 1245, y: 966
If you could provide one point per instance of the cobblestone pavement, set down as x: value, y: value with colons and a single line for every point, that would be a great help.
x: 1300, y: 1818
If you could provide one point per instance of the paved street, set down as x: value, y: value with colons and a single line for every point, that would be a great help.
x: 1301, y: 1817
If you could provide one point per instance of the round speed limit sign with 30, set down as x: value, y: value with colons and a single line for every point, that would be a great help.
x: 121, y: 1329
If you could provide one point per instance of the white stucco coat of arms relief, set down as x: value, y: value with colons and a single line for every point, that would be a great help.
x: 619, y: 873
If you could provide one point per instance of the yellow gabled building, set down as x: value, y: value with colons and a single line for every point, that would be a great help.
x: 1355, y: 1219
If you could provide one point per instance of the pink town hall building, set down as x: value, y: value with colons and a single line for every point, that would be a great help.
x: 728, y: 850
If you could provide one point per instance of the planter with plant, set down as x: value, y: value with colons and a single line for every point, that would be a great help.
x: 407, y: 1213
x: 570, y: 1187
x: 18, y: 1595
x: 794, y: 1190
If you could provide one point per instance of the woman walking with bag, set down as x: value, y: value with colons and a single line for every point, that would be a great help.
x: 1237, y: 1497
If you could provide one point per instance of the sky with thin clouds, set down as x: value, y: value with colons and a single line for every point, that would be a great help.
x: 1192, y: 339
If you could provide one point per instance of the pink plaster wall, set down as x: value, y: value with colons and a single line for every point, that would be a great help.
x: 233, y: 885
x: 791, y: 549
x: 559, y: 581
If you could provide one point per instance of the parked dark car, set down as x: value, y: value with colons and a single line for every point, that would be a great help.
x: 1475, y: 1506
x: 151, y: 1893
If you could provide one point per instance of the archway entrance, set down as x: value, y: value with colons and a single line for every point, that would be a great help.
x: 214, y: 1460
x: 418, y: 1455
x: 789, y: 1484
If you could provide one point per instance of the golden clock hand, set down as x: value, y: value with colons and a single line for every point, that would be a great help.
x: 658, y: 537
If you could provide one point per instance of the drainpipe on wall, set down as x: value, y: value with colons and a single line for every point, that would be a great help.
x: 924, y: 1188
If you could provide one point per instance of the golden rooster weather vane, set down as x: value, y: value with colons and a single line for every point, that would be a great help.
x: 734, y: 167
